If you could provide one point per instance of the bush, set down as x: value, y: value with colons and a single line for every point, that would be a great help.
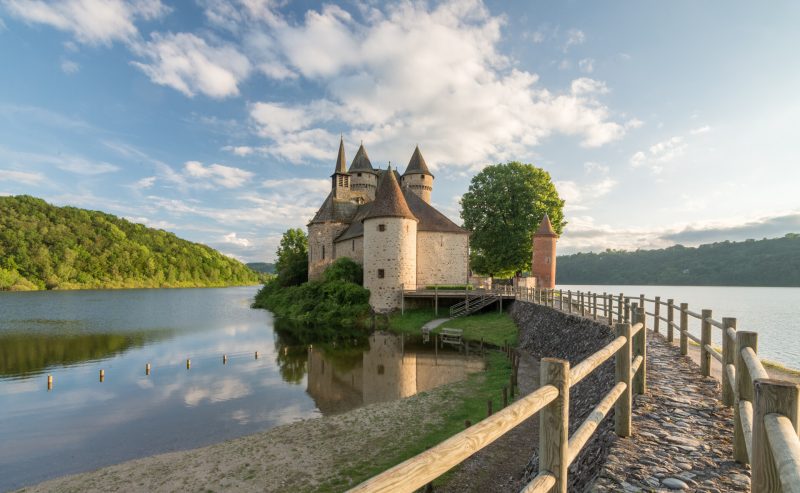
x: 344, y: 269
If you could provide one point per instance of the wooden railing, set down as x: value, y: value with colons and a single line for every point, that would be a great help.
x: 766, y: 411
x: 557, y: 450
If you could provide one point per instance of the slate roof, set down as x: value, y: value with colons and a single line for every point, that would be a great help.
x: 389, y: 200
x: 341, y: 162
x: 361, y: 162
x: 429, y: 218
x: 545, y: 228
x: 335, y: 210
x: 417, y: 164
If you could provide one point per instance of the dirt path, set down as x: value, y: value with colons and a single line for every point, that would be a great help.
x: 500, y: 466
x: 318, y: 454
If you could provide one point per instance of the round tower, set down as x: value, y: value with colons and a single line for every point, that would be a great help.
x: 543, y: 263
x: 363, y: 178
x: 417, y: 178
x: 390, y: 246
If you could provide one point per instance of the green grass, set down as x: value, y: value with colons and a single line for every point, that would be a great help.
x: 470, y: 404
x: 495, y: 328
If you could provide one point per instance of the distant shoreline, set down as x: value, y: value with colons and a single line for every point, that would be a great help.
x: 676, y: 285
x: 122, y: 288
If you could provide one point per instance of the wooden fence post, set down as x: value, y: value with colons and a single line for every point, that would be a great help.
x: 569, y: 300
x: 684, y: 329
x: 554, y: 423
x: 620, y: 316
x: 705, y: 341
x: 622, y: 408
x: 583, y: 304
x: 640, y: 349
x: 561, y: 299
x: 771, y: 396
x: 744, y: 392
x: 657, y: 314
x: 641, y: 300
x: 670, y: 320
x: 594, y: 306
x: 728, y: 353
x: 627, y: 310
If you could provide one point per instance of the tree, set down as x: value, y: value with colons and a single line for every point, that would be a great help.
x: 503, y: 208
x: 292, y: 262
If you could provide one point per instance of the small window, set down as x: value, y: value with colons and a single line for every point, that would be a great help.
x: 381, y: 369
x: 354, y: 245
x: 323, y: 252
x: 381, y: 273
x: 359, y: 174
x: 381, y: 227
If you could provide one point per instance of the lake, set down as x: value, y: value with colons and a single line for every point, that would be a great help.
x: 772, y: 312
x: 83, y: 423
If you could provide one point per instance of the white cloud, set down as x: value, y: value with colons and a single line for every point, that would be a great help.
x: 189, y: 64
x: 578, y: 197
x: 225, y: 176
x: 71, y: 163
x: 145, y: 183
x: 165, y: 225
x: 315, y: 187
x: 241, y: 151
x: 69, y: 67
x: 586, y: 65
x: 574, y: 37
x: 701, y: 130
x: 93, y: 22
x: 21, y: 177
x: 470, y: 107
x: 235, y: 240
x: 659, y: 154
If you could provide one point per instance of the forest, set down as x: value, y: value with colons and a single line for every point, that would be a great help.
x: 47, y: 247
x: 767, y: 262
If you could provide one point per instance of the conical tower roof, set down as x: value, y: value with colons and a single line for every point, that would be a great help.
x: 545, y: 228
x: 361, y: 162
x: 341, y: 162
x: 417, y: 164
x: 389, y: 200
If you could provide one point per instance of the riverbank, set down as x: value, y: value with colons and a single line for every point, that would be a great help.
x: 130, y: 285
x: 322, y: 454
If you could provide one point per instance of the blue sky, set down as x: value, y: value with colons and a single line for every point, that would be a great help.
x: 660, y: 123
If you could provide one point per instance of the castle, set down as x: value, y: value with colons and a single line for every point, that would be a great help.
x: 385, y: 222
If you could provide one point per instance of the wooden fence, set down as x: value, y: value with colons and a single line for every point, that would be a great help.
x: 766, y: 412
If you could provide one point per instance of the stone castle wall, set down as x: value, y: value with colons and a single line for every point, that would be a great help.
x: 393, y: 250
x: 442, y: 258
x: 352, y: 249
x: 321, y: 252
x: 421, y: 185
x: 364, y: 184
x: 543, y: 264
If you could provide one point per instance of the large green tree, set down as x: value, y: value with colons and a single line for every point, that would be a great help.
x: 503, y: 207
x: 292, y: 262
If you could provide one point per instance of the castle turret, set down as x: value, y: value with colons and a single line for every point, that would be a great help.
x: 390, y: 245
x: 543, y: 263
x: 340, y: 179
x: 363, y: 178
x: 417, y: 178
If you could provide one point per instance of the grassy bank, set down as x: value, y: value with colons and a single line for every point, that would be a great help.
x: 495, y: 328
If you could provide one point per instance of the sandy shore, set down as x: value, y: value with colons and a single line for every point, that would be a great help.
x: 323, y: 454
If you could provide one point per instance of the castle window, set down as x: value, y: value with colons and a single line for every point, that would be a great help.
x: 359, y: 174
x: 380, y: 369
x: 381, y: 273
x: 354, y: 245
x: 381, y: 227
x: 323, y: 252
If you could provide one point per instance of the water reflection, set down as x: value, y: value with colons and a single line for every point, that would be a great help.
x: 391, y: 368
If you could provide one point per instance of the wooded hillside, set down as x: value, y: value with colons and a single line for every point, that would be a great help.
x: 767, y: 262
x: 47, y: 247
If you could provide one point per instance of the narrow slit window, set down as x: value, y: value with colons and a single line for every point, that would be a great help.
x: 381, y: 273
x: 323, y: 252
x: 354, y: 245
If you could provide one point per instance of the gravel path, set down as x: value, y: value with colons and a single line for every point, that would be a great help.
x: 682, y: 433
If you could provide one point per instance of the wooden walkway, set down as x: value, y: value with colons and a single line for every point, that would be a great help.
x: 682, y: 438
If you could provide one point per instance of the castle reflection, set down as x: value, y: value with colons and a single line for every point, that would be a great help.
x: 392, y: 368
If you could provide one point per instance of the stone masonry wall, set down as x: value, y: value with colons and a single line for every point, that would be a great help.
x: 395, y: 251
x: 545, y: 332
x: 352, y: 248
x: 319, y: 236
x: 442, y: 258
x: 421, y: 185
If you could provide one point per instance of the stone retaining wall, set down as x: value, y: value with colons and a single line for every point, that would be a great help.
x: 545, y: 332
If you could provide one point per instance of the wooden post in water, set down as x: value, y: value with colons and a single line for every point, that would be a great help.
x: 147, y: 369
x: 744, y: 392
x: 657, y: 314
x: 684, y: 329
x: 705, y: 341
x: 623, y: 423
x: 728, y: 358
x: 670, y: 320
x: 188, y: 363
x: 781, y: 398
x: 224, y: 359
x: 256, y: 354
x: 49, y: 382
x: 102, y: 375
x: 554, y: 423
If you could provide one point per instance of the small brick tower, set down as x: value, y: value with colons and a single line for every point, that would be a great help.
x: 543, y: 263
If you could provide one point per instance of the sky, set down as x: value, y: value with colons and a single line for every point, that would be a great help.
x: 660, y: 123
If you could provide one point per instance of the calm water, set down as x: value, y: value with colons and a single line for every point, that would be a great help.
x: 772, y: 312
x: 83, y: 423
